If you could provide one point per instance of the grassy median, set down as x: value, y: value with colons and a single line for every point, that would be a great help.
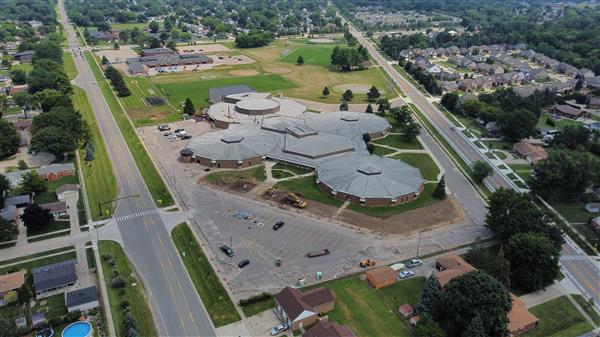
x: 161, y: 195
x: 558, y: 318
x: 115, y: 262
x: 214, y: 296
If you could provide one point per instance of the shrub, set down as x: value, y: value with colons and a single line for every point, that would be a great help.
x: 117, y: 282
x: 256, y: 298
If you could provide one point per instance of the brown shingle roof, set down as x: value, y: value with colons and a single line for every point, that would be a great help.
x: 381, y: 276
x: 519, y: 317
x: 568, y: 110
x: 317, y: 297
x: 327, y: 329
x: 453, y: 266
x: 57, y: 206
x: 12, y: 281
x: 293, y: 302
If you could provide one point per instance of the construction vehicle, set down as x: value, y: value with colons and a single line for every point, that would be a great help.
x: 317, y: 253
x: 296, y: 201
x: 271, y: 191
x: 366, y: 263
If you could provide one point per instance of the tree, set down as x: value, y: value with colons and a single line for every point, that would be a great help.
x: 104, y: 60
x: 53, y: 139
x: 4, y: 189
x: 116, y: 46
x: 499, y: 267
x: 477, y: 293
x: 373, y: 94
x: 369, y: 108
x: 188, y: 107
x: 427, y: 327
x: 49, y: 98
x: 10, y: 140
x: 410, y: 131
x: 383, y: 105
x: 517, y: 124
x: 431, y: 302
x: 35, y: 217
x: 8, y: 230
x: 300, y: 60
x: 440, y: 189
x: 22, y: 165
x: 534, y: 261
x: 325, y: 92
x: 31, y: 182
x: 565, y: 174
x: 3, y: 104
x: 344, y: 106
x: 89, y: 151
x: 24, y: 293
x: 348, y: 95
x: 449, y: 100
x: 19, y: 76
x: 49, y: 50
x: 154, y: 27
x: 475, y: 328
x: 481, y: 170
x: 370, y: 148
x: 573, y: 137
x: 366, y: 137
x: 7, y: 327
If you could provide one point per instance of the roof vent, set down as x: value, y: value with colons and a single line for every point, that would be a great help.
x: 369, y: 169
x: 350, y: 118
x: 232, y: 139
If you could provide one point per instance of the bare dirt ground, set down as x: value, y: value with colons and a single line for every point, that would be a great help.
x: 232, y: 60
x: 243, y: 72
x: 321, y: 40
x: 356, y: 88
x: 203, y: 48
x: 278, y: 70
x: 118, y: 55
x: 436, y: 215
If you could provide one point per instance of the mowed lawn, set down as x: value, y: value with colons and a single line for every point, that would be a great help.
x: 208, y: 285
x: 69, y: 65
x: 397, y: 142
x: 307, y: 188
x: 312, y: 54
x: 138, y: 306
x: 362, y: 310
x: 558, y: 318
x: 422, y: 161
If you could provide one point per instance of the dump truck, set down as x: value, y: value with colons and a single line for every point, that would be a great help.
x: 296, y: 201
x: 366, y: 263
x: 318, y: 253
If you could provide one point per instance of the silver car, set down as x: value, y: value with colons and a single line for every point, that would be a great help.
x: 280, y: 328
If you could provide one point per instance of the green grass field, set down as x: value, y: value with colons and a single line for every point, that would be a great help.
x: 422, y: 161
x: 307, y: 188
x: 397, y: 142
x: 197, y: 90
x: 292, y: 168
x: 214, y: 297
x: 558, y: 318
x: 98, y: 175
x: 69, y: 66
x: 585, y: 305
x: 138, y: 111
x: 25, y: 66
x: 40, y: 262
x: 130, y: 25
x: 574, y: 211
x: 522, y: 170
x: 406, y: 291
x: 382, y: 151
x: 258, y: 307
x: 386, y: 211
x: 319, y: 55
x: 161, y: 195
x: 133, y: 294
x: 362, y: 310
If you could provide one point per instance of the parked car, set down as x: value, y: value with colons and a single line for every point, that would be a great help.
x: 164, y: 127
x: 414, y: 263
x: 185, y: 136
x: 278, y: 225
x: 227, y: 250
x: 406, y: 274
x: 179, y: 130
x: 171, y: 137
x: 243, y: 263
x: 318, y: 253
x: 166, y: 134
x: 280, y: 328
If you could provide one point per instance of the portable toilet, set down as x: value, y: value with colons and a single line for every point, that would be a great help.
x: 319, y: 275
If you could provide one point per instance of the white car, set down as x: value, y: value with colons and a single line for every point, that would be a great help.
x: 171, y: 137
x: 414, y: 263
x: 406, y: 274
x: 281, y: 327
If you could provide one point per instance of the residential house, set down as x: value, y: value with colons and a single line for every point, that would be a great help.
x: 538, y: 74
x: 595, y: 223
x: 447, y: 76
x: 17, y: 201
x: 477, y: 58
x: 567, y: 111
x: 528, y: 54
x: 406, y: 54
x: 17, y: 89
x: 595, y: 126
x: 593, y: 83
x: 54, y: 171
x: 83, y: 300
x: 421, y: 62
x: 484, y: 82
x: 441, y: 52
x: 520, y: 320
x: 328, y: 329
x: 449, y: 86
x: 563, y: 87
x: 55, y: 278
x: 434, y: 69
x: 381, y: 277
x: 456, y: 60
x: 496, y: 69
x: 57, y: 208
x: 592, y: 207
x: 22, y: 124
x: 9, y: 283
x: 9, y: 213
x: 468, y: 85
x: 453, y: 50
x: 301, y: 310
x: 531, y: 153
x: 493, y: 130
x: 469, y: 64
x: 567, y: 69
x: 593, y: 103
x: 24, y: 56
x: 67, y: 189
x: 484, y: 68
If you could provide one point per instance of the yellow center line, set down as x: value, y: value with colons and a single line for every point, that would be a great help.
x: 590, y: 286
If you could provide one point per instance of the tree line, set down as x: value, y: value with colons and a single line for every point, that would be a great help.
x: 349, y: 58
x: 116, y: 79
x: 428, y: 81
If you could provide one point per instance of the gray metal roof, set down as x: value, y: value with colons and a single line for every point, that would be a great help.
x: 55, y: 168
x: 8, y: 213
x: 348, y: 123
x: 234, y: 144
x: 82, y: 296
x: 54, y: 275
x: 135, y: 66
x: 317, y: 145
x: 14, y: 178
x: 216, y: 94
x: 16, y: 200
x: 369, y: 176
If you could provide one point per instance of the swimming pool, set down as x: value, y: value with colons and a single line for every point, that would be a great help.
x: 78, y: 329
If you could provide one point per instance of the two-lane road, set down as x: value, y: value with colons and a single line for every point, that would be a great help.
x: 176, y: 307
x: 579, y: 268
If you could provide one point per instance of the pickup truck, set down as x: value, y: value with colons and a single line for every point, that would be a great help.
x: 318, y: 253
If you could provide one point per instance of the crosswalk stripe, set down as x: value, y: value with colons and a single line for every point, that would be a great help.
x: 136, y: 214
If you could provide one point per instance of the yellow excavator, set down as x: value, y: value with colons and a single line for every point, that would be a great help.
x: 271, y: 191
x: 296, y: 201
x: 366, y: 263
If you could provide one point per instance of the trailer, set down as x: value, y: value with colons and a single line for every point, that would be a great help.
x: 318, y: 253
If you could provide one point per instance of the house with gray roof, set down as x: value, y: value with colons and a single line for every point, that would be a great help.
x: 83, y: 300
x: 17, y: 201
x: 55, y: 278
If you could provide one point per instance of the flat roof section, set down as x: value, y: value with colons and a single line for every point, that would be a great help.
x: 317, y: 145
x: 257, y: 106
x: 348, y: 123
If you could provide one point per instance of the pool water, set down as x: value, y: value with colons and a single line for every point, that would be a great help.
x: 78, y: 329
